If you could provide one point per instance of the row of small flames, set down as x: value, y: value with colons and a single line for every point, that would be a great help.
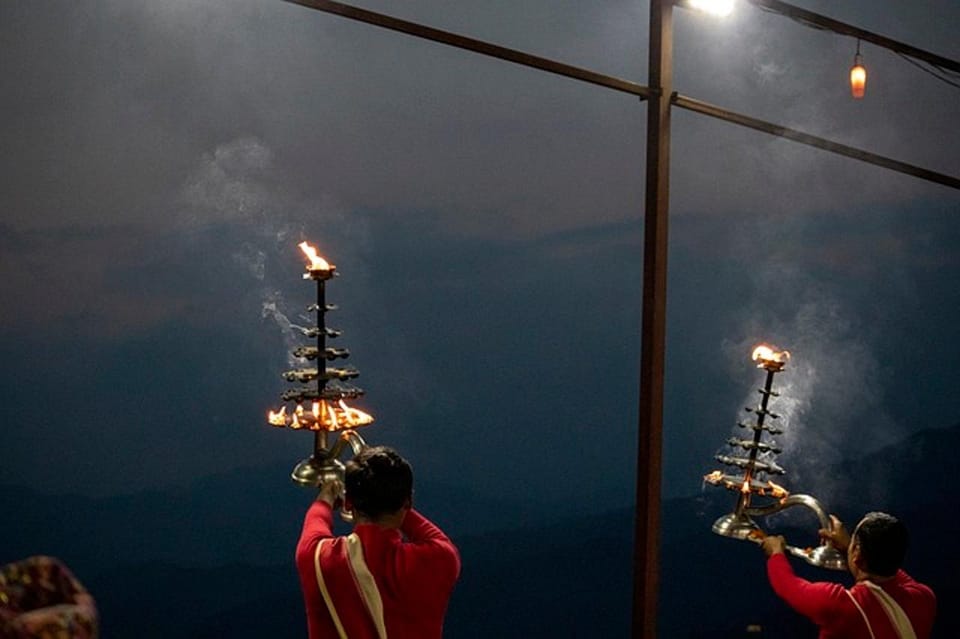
x: 323, y: 415
x: 768, y: 488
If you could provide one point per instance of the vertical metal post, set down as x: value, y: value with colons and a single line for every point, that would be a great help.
x: 743, y: 501
x: 646, y: 548
x: 320, y: 437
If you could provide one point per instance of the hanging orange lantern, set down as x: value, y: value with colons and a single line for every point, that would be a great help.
x: 858, y: 75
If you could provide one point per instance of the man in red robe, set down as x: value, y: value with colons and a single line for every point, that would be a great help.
x: 884, y: 603
x: 393, y: 576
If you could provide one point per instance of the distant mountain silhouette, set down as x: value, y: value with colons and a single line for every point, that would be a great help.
x: 916, y: 473
x: 249, y: 515
x: 215, y: 559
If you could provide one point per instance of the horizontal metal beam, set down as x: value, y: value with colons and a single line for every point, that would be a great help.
x: 811, y: 140
x: 823, y: 22
x: 477, y: 46
x: 632, y: 88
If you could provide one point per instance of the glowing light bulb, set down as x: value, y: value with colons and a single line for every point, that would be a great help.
x: 716, y: 7
x: 858, y: 77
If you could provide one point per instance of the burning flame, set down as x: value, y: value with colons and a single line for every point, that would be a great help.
x: 714, y: 478
x: 756, y: 534
x: 278, y: 418
x: 745, y: 489
x: 778, y: 491
x: 332, y: 422
x: 764, y: 354
x: 355, y: 417
x: 317, y: 263
x: 323, y: 415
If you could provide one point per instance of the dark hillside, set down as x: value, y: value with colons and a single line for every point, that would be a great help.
x: 215, y: 560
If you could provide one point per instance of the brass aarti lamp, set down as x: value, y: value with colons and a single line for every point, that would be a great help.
x: 758, y: 496
x: 321, y: 405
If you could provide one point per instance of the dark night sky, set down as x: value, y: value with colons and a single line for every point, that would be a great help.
x: 162, y: 159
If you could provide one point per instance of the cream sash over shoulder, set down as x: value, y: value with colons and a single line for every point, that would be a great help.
x: 898, y: 618
x: 364, y: 581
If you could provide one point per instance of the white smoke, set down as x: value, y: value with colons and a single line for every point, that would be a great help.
x: 289, y: 330
x: 237, y: 189
x: 228, y: 185
x: 829, y: 399
x: 257, y: 265
x: 233, y: 187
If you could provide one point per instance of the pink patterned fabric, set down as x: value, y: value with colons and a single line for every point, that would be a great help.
x: 41, y: 599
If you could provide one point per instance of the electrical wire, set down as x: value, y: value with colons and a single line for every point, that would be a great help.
x: 930, y: 71
x: 947, y: 76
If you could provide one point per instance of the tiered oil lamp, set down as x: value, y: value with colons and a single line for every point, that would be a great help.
x: 759, y: 463
x: 326, y: 393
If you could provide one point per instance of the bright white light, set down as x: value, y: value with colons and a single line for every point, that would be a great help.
x: 716, y: 7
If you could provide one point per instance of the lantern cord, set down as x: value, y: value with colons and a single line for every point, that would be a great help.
x: 946, y: 75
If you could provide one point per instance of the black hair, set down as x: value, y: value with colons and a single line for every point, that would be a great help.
x: 883, y: 543
x: 378, y: 482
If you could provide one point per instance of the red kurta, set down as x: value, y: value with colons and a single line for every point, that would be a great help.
x: 829, y: 606
x: 415, y: 577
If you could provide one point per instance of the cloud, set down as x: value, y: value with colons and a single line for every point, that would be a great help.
x: 166, y: 158
x: 225, y: 187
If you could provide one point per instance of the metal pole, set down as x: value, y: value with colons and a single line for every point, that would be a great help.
x: 320, y: 441
x: 743, y: 501
x: 646, y: 558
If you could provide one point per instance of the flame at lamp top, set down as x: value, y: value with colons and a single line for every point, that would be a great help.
x: 767, y: 356
x: 317, y: 263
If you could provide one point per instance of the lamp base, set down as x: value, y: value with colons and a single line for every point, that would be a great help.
x: 744, y: 528
x: 313, y: 471
x: 735, y: 526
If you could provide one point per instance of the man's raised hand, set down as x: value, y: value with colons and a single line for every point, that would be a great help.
x: 331, y: 491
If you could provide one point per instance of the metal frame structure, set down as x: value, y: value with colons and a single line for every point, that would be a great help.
x: 661, y: 97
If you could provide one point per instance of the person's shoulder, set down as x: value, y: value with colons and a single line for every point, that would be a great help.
x: 834, y: 589
x: 307, y: 549
x: 904, y: 580
x: 922, y: 587
x: 905, y: 588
